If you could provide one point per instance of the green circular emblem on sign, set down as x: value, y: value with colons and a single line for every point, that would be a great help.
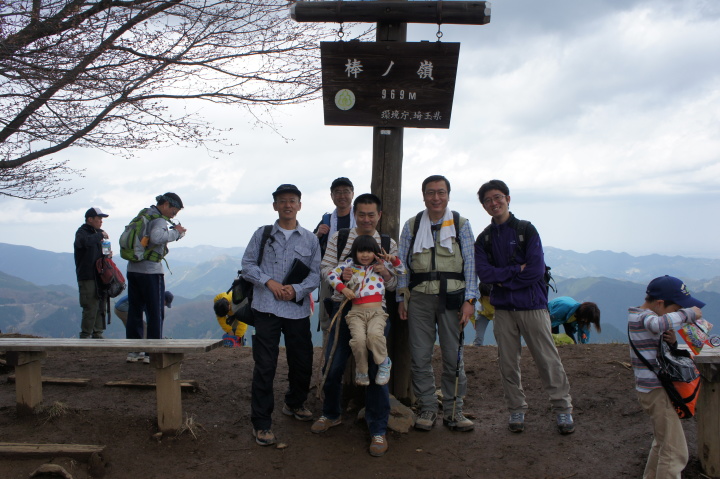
x: 345, y: 99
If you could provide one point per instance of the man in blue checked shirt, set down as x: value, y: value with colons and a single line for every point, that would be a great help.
x: 282, y: 309
x: 439, y: 292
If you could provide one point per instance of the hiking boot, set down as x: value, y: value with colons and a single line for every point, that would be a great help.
x: 425, y: 420
x: 459, y: 423
x: 517, y: 422
x: 362, y: 379
x: 324, y: 423
x: 378, y: 446
x: 300, y: 413
x: 565, y: 423
x: 134, y: 357
x: 98, y: 336
x: 383, y: 375
x: 264, y: 437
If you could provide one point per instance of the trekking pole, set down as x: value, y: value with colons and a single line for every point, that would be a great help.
x: 457, y: 370
x: 328, y: 363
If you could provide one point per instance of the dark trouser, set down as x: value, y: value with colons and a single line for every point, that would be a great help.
x: 146, y: 293
x: 93, y: 310
x: 377, y: 398
x: 265, y: 348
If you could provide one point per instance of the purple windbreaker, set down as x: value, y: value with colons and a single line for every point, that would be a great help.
x: 513, y: 289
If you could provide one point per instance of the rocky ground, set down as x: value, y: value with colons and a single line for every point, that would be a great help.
x: 612, y: 438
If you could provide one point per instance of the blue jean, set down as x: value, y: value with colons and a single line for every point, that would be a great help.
x: 377, y: 398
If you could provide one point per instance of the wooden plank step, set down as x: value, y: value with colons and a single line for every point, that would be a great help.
x: 77, y: 451
x: 55, y: 380
x: 185, y: 384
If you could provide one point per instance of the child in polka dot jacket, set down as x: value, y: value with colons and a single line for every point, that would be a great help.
x: 366, y: 320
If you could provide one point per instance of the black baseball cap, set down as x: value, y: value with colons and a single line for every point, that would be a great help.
x: 286, y: 188
x: 95, y: 211
x: 342, y: 181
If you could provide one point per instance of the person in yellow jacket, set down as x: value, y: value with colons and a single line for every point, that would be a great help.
x: 235, y: 331
x: 484, y: 313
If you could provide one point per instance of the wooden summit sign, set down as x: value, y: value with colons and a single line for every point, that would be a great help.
x: 393, y: 84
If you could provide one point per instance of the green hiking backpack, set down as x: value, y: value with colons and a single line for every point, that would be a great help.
x: 135, y: 240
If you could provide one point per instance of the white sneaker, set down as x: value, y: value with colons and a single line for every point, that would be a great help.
x: 146, y: 358
x: 135, y: 357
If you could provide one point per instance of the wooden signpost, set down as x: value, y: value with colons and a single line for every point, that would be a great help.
x: 389, y: 84
x: 391, y: 18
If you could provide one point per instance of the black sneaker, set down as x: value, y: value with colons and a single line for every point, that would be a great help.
x: 517, y: 422
x: 565, y: 423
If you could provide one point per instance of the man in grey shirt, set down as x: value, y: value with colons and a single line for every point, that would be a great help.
x: 281, y: 308
x: 146, y: 278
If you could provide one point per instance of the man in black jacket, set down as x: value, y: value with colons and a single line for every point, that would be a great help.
x: 88, y: 249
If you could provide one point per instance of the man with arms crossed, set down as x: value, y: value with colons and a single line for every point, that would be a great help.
x: 519, y: 295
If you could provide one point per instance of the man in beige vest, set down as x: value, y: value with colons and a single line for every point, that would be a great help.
x: 438, y: 294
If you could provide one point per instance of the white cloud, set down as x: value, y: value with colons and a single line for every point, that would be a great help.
x: 602, y: 116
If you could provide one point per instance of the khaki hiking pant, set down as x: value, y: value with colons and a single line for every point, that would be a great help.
x: 534, y: 327
x: 669, y: 452
x: 367, y: 331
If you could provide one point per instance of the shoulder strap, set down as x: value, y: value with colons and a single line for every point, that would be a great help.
x: 416, y: 226
x: 385, y: 242
x: 640, y: 356
x: 456, y: 221
x: 485, y: 239
x: 265, y: 236
x: 342, y: 239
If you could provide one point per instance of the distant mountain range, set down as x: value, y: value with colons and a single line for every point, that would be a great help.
x: 38, y: 289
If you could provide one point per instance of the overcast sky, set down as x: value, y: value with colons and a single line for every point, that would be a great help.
x: 603, y: 117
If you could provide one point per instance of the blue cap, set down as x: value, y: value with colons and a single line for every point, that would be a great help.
x: 669, y: 288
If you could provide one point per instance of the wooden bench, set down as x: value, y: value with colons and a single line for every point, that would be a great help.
x: 165, y: 354
x: 708, y: 411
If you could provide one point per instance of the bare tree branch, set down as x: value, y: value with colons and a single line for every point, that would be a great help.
x: 103, y: 74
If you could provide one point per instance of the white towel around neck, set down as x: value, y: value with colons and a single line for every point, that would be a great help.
x: 334, y: 218
x: 424, y: 239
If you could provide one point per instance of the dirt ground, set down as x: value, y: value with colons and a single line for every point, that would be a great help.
x: 612, y: 435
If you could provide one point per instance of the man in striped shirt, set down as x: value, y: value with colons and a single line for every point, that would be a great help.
x: 367, y: 209
x: 668, y: 305
x: 281, y: 308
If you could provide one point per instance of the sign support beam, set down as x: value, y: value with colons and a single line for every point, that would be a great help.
x: 392, y: 18
x: 389, y: 12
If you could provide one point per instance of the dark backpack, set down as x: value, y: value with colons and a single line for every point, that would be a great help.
x: 525, y: 230
x: 110, y: 279
x: 241, y: 288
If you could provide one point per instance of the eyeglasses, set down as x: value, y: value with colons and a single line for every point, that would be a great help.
x: 438, y: 193
x: 288, y: 201
x: 493, y: 199
x: 343, y: 192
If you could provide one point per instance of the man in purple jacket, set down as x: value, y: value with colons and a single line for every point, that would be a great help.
x: 516, y: 269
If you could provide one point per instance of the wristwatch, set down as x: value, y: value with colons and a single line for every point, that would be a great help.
x: 472, y: 301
